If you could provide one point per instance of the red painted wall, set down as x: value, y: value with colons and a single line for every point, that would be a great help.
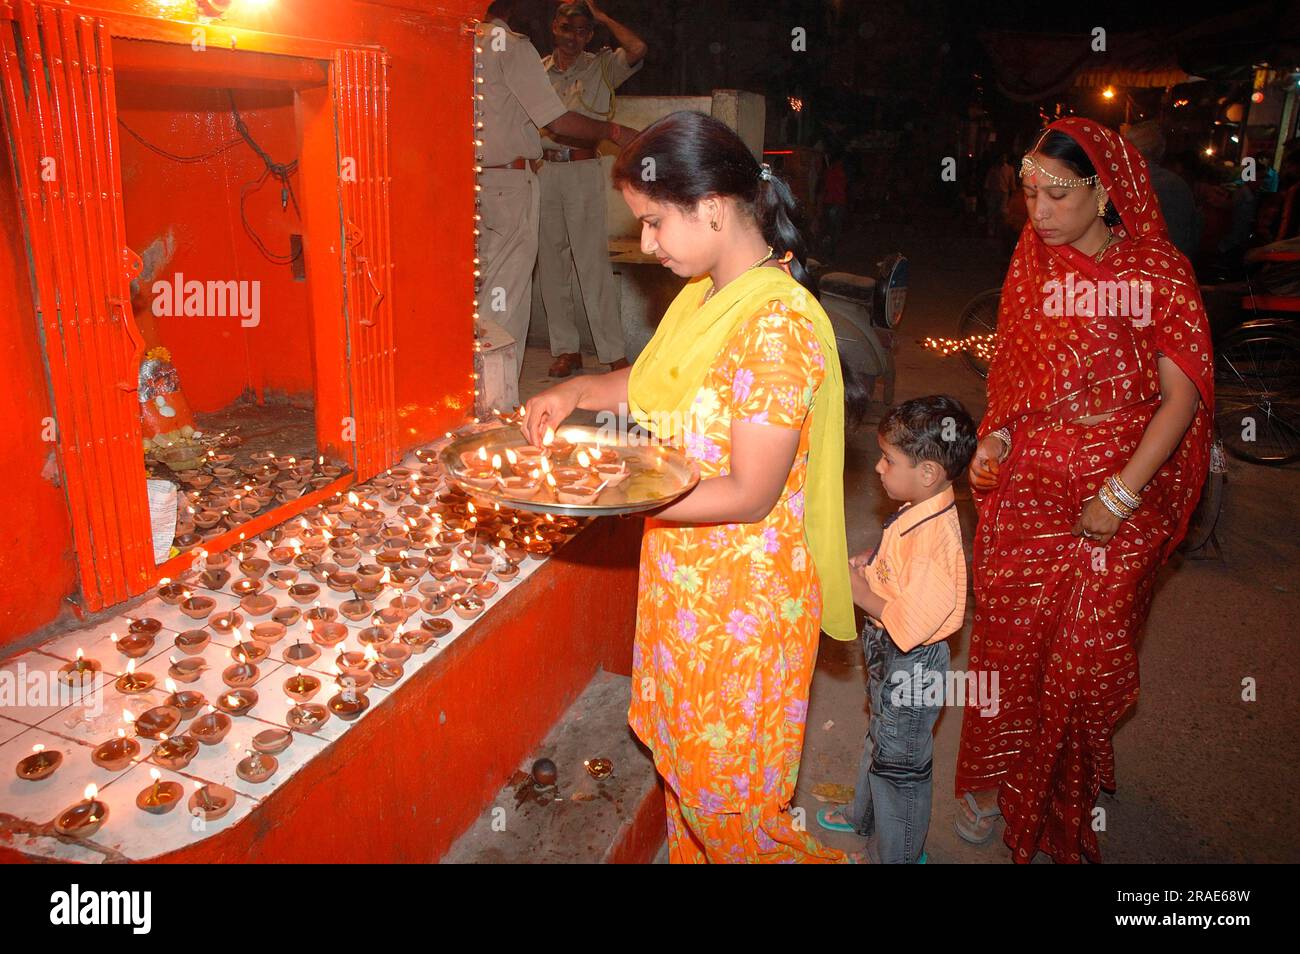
x: 431, y: 165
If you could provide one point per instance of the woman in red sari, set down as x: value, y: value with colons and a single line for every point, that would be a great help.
x: 1091, y: 458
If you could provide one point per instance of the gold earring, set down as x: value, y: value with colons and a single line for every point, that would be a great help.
x: 1101, y: 204
x: 715, y: 226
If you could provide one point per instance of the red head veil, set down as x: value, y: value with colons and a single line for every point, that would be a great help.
x: 1055, y: 363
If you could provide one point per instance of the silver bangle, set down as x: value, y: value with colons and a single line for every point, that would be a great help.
x: 1111, y: 505
x: 1004, y: 436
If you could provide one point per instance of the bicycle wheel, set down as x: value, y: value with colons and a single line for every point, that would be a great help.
x: 1257, y: 385
x: 978, y: 325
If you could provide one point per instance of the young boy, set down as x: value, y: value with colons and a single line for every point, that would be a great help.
x: 913, y: 589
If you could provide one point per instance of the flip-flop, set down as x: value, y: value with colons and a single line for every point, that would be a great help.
x: 830, y: 825
x: 972, y: 833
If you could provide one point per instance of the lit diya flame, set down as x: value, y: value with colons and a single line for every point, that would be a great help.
x: 171, y: 685
x: 583, y: 459
x: 549, y: 437
x: 91, y: 792
x: 512, y: 457
x: 38, y: 748
x: 496, y: 461
x: 482, y: 454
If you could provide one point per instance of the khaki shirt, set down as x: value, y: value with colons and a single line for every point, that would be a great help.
x: 517, y: 96
x: 587, y: 86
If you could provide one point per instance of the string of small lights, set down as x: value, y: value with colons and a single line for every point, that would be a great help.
x: 981, y: 346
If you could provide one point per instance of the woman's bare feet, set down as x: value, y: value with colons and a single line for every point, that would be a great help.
x: 976, y: 826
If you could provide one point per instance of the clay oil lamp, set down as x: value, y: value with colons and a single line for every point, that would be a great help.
x: 348, y: 704
x: 240, y: 675
x: 246, y: 587
x: 356, y: 609
x: 538, y: 549
x: 257, y: 767
x: 237, y: 702
x: 268, y: 632
x: 187, y: 541
x: 370, y: 571
x: 405, y: 605
x: 404, y: 579
x: 328, y: 633
x: 485, y: 589
x: 353, y: 680
x: 81, y: 671
x: 117, y: 753
x: 282, y: 579
x: 133, y: 683
x: 217, y: 561
x: 306, y: 560
x: 340, y: 581
x: 579, y: 494
x: 347, y: 556
x: 187, y: 702
x: 212, y: 801
x: 612, y: 473
x: 458, y: 589
x: 226, y: 623
x: 529, y: 455
x: 506, y: 570
x: 248, y: 651
x: 301, y: 654
x: 286, y: 615
x: 244, y: 550
x: 443, y: 570
x: 421, y: 639
x: 157, y: 723
x: 386, y: 672
x: 368, y: 589
x: 390, y: 616
x: 390, y: 559
x: 186, y: 670
x: 470, y: 574
x: 171, y: 593
x: 437, y: 604
x: 320, y: 614
x: 272, y: 741
x: 84, y: 818
x: 258, y: 604
x: 133, y: 645
x: 191, y: 642
x: 468, y: 607
x: 213, y: 579
x: 207, y: 519
x: 306, y: 717
x: 282, y: 555
x: 175, y: 753
x: 375, y: 635
x: 482, y: 559
x: 40, y: 764
x: 198, y: 607
x: 262, y: 457
x: 160, y: 797
x: 394, y: 652
x: 304, y: 592
x: 301, y: 687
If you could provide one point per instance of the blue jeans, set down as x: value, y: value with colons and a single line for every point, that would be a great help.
x: 894, y: 791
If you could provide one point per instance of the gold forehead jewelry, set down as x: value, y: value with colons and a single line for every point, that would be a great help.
x: 1029, y: 167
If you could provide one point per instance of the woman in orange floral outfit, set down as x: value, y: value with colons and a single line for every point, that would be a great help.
x: 738, y: 576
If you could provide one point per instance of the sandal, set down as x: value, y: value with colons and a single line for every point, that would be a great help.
x: 974, y: 833
x: 830, y: 825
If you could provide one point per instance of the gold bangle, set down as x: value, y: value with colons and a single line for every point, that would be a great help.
x: 1122, y: 491
x: 1112, y: 503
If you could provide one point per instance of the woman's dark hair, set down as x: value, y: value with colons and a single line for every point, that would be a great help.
x: 1060, y: 146
x: 686, y: 157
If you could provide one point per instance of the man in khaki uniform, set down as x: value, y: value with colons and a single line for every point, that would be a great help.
x: 517, y: 99
x: 573, y: 257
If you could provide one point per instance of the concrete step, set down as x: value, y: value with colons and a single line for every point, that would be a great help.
x: 616, y: 820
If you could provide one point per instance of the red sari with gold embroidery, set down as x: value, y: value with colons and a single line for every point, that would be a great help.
x: 1057, y: 617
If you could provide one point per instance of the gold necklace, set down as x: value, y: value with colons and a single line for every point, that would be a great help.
x: 764, y: 259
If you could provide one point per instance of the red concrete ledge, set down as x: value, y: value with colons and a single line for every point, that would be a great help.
x: 412, y: 775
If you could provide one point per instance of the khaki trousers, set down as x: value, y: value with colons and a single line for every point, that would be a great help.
x: 507, y: 250
x: 573, y: 259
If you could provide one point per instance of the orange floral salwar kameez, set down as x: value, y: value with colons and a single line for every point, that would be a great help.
x: 728, y: 620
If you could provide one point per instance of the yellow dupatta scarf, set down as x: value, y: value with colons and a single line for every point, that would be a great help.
x: 674, y: 365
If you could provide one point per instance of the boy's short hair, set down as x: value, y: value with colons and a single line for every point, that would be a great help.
x: 935, y: 428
